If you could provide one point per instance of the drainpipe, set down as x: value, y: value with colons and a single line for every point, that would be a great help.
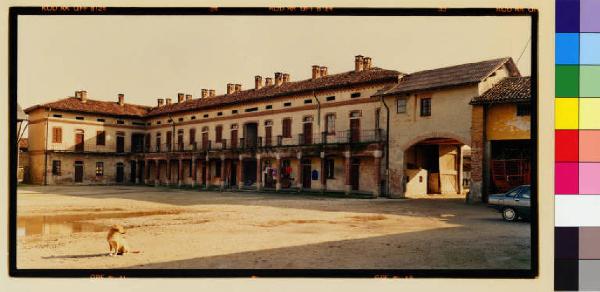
x: 387, y: 146
x: 46, y: 149
x: 318, y: 111
x: 172, y: 132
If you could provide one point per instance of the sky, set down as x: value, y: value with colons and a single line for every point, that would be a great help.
x: 150, y: 57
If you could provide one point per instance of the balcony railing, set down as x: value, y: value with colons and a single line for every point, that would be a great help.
x: 339, y: 137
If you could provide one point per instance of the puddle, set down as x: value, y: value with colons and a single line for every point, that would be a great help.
x: 73, y: 223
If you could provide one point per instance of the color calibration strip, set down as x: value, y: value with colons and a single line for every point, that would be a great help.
x: 577, y: 148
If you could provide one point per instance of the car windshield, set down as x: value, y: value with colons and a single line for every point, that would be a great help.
x: 526, y: 193
x: 513, y: 192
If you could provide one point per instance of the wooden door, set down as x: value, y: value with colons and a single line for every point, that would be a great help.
x: 354, y: 174
x: 306, y: 174
x: 120, y: 144
x: 119, y: 177
x: 234, y: 138
x: 205, y: 140
x: 268, y: 135
x: 307, y: 133
x: 180, y: 141
x: 449, y: 168
x: 354, y: 130
x: 79, y: 142
x: 78, y: 171
x: 133, y: 173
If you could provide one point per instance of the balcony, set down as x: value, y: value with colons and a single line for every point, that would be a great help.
x: 84, y: 148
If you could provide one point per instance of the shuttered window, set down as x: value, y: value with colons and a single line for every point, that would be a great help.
x: 287, y: 128
x: 101, y: 138
x: 56, y: 135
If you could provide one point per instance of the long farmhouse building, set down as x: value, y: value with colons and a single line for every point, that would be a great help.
x: 368, y: 130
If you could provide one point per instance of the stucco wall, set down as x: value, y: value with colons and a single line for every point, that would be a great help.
x: 502, y: 123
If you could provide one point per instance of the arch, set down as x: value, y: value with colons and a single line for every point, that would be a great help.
x: 462, y: 139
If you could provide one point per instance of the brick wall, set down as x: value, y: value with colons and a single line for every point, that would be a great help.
x: 477, y: 148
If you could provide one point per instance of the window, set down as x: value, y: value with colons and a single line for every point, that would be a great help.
x: 120, y: 122
x: 287, y: 104
x: 219, y: 133
x: 158, y: 122
x: 307, y: 119
x: 193, y: 118
x: 99, y: 168
x: 355, y: 114
x: 57, y: 116
x: 55, y: 167
x: 169, y: 120
x: 330, y: 123
x: 377, y: 114
x: 192, y: 136
x: 307, y: 101
x: 401, y: 105
x: 252, y: 109
x: 233, y: 112
x: 56, y: 135
x: 329, y: 168
x: 101, y: 138
x: 219, y: 114
x: 180, y: 119
x: 205, y: 116
x: 355, y: 95
x: 270, y: 106
x: 330, y: 98
x: 218, y: 168
x: 523, y: 110
x: 79, y: 118
x: 101, y: 120
x: 286, y: 130
x: 425, y: 107
x: 138, y: 123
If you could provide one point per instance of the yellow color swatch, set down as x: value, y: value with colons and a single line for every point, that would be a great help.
x: 589, y: 113
x: 566, y: 113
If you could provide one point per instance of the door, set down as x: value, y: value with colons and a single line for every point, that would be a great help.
x: 180, y: 140
x: 354, y: 130
x: 268, y: 135
x: 234, y: 138
x: 79, y: 142
x: 354, y: 174
x: 205, y: 140
x: 251, y: 134
x: 306, y: 174
x: 133, y: 171
x: 120, y: 143
x: 307, y: 133
x: 233, y: 173
x: 449, y: 168
x: 119, y: 177
x: 78, y: 171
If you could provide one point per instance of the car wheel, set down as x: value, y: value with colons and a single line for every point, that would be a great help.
x: 509, y: 214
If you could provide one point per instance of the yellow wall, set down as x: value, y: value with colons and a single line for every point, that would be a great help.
x: 502, y: 123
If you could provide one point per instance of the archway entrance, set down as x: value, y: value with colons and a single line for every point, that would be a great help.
x: 435, y: 166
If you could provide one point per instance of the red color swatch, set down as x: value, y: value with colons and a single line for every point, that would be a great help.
x: 566, y: 145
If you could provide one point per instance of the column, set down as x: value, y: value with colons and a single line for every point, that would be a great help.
x: 299, y: 172
x: 180, y: 173
x: 377, y: 154
x: 240, y: 173
x: 278, y: 169
x: 203, y: 168
x: 146, y: 175
x: 323, y: 175
x: 208, y: 173
x: 168, y: 172
x: 138, y: 171
x: 347, y: 184
x: 157, y: 166
x: 194, y: 171
x: 222, y: 176
x: 258, y: 173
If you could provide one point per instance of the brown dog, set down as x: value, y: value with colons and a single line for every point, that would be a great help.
x: 116, y: 242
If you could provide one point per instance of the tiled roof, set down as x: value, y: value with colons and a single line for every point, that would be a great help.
x: 327, y: 82
x: 450, y: 76
x: 74, y: 104
x: 509, y: 90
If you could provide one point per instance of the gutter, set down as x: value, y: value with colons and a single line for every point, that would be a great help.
x: 387, y: 146
x: 46, y: 149
x: 318, y: 111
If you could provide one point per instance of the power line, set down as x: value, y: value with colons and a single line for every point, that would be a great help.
x: 527, y: 44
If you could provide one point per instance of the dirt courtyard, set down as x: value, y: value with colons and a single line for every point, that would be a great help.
x: 65, y: 227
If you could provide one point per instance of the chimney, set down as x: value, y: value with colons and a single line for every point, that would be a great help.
x: 230, y: 88
x: 204, y: 93
x: 268, y: 81
x: 323, y: 71
x: 238, y: 87
x: 286, y: 77
x: 316, y: 71
x: 211, y: 92
x: 258, y: 82
x: 82, y: 95
x: 358, y: 63
x: 168, y: 101
x: 161, y: 102
x: 180, y: 97
x: 188, y: 97
x: 121, y: 97
x: 278, y: 78
x: 367, y: 63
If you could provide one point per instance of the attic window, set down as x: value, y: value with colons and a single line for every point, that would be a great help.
x: 57, y: 116
x: 270, y: 106
x: 100, y: 120
x: 148, y: 124
x: 307, y: 101
x: 79, y: 118
x: 355, y: 95
x: 193, y: 118
x: 287, y: 104
x: 219, y: 114
x: 181, y: 119
x: 523, y: 110
x: 234, y: 112
x: 205, y: 115
x: 169, y: 120
x: 120, y: 122
x: 252, y: 109
x: 330, y: 98
x: 158, y: 122
x: 138, y: 123
x: 493, y: 74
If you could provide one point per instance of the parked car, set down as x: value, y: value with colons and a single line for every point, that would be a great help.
x: 513, y: 204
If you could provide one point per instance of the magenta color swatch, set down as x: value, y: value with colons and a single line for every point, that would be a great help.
x: 589, y: 19
x: 567, y: 178
x: 589, y: 178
